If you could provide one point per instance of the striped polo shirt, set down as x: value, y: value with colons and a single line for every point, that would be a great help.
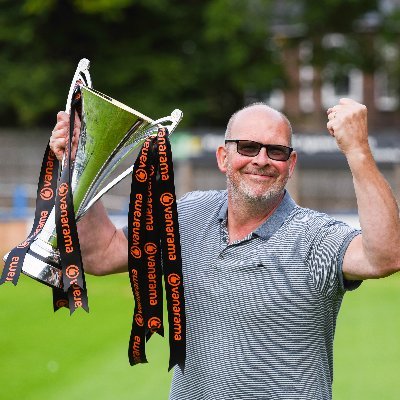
x: 261, y: 312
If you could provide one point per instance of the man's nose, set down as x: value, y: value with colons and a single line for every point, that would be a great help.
x: 261, y: 158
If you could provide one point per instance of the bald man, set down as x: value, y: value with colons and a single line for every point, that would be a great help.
x: 264, y: 278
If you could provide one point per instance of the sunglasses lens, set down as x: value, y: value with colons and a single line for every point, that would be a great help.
x: 251, y: 149
x: 248, y: 148
x: 279, y: 153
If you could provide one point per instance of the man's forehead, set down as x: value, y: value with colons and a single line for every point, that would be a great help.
x: 254, y: 115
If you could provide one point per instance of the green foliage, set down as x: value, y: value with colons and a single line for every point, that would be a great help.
x: 153, y: 55
x: 156, y: 55
x: 334, y: 15
x: 345, y: 17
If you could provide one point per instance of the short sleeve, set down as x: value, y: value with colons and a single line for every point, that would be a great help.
x: 326, y: 254
x: 344, y: 283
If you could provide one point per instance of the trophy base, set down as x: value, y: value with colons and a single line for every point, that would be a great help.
x: 42, y: 271
x: 42, y: 264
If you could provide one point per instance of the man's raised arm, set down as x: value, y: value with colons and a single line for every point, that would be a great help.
x: 375, y: 253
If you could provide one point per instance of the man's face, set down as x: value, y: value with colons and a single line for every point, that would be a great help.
x: 256, y: 178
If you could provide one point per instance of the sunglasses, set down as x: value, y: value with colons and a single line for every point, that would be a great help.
x: 249, y: 148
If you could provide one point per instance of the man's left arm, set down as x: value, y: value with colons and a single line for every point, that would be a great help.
x: 375, y: 253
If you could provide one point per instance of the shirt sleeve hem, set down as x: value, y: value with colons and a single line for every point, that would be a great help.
x: 347, y: 285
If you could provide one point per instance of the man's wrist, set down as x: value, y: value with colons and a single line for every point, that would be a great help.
x: 360, y: 161
x: 358, y: 154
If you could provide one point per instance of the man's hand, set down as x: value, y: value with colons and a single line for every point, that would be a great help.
x: 348, y: 125
x: 60, y: 135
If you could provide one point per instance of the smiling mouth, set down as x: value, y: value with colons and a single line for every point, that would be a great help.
x: 260, y: 178
x: 260, y: 175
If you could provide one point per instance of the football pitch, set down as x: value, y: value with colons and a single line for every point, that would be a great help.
x: 84, y: 356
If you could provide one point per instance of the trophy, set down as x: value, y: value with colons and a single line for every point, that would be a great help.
x: 110, y: 131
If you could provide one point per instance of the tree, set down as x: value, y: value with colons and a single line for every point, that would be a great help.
x: 153, y: 55
x: 317, y: 19
x: 156, y: 55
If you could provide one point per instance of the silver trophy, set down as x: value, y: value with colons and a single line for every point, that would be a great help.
x: 110, y: 131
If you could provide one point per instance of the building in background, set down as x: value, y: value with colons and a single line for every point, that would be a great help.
x: 322, y: 179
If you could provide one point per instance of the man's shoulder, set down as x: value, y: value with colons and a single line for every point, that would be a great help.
x: 200, y: 204
x: 314, y: 222
x: 311, y: 216
x: 195, y: 208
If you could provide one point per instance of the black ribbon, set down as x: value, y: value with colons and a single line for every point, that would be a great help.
x: 56, y: 192
x: 153, y: 235
x: 74, y: 285
x: 46, y: 191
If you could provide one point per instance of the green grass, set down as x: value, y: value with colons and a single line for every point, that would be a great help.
x: 84, y: 356
x: 367, y: 344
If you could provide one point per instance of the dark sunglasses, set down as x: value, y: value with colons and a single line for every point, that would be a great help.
x: 249, y: 148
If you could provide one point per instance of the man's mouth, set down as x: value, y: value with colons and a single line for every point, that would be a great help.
x: 261, y: 174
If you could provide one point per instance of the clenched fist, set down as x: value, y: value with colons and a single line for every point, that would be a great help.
x: 60, y: 135
x: 348, y: 125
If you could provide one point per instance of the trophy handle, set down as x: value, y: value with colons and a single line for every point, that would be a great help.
x: 174, y: 120
x: 82, y: 72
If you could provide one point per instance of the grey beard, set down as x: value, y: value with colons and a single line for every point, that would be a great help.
x: 241, y: 192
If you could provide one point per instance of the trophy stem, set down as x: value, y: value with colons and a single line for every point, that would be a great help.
x: 42, y: 261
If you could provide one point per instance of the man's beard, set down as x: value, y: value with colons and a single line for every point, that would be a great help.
x: 240, y: 189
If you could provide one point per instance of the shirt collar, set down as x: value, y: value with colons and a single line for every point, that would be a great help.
x: 273, y: 223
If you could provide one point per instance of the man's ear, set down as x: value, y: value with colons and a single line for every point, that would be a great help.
x: 292, y: 163
x: 222, y: 159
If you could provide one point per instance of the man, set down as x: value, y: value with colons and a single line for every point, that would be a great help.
x: 264, y: 278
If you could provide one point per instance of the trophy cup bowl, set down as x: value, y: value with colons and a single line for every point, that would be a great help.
x: 110, y: 131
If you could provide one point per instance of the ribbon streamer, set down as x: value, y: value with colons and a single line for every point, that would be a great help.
x: 154, y: 250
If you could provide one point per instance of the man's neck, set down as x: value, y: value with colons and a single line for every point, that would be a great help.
x: 246, y: 216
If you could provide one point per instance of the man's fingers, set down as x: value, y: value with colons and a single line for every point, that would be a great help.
x: 60, y: 135
x: 58, y: 138
x: 58, y: 147
x: 62, y: 116
x: 345, y: 100
x: 330, y: 128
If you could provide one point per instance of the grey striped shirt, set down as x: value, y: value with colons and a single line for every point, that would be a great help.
x: 261, y: 312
